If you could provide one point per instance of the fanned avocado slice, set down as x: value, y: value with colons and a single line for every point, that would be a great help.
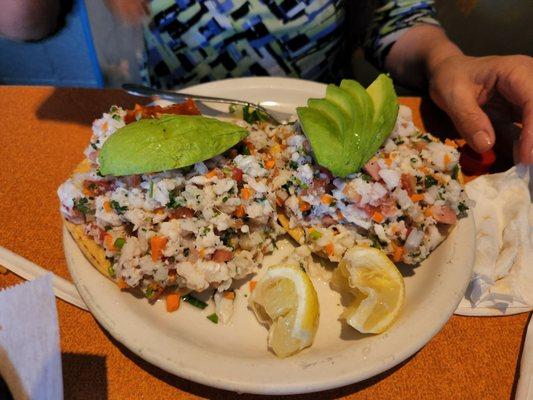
x: 363, y: 124
x: 385, y: 101
x: 348, y: 126
x: 325, y: 138
x: 165, y: 143
x: 331, y: 111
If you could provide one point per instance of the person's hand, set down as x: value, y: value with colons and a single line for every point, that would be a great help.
x: 461, y: 85
x: 129, y: 11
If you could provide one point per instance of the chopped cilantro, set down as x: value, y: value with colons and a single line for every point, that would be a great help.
x: 115, y: 205
x: 224, y: 199
x: 81, y: 205
x: 186, y: 252
x: 111, y: 271
x: 151, y: 190
x: 455, y: 171
x: 108, y: 228
x: 213, y: 318
x: 430, y: 181
x: 93, y: 145
x: 366, y: 177
x: 116, y: 117
x: 254, y: 115
x: 172, y: 202
x: 293, y: 165
x: 463, y: 208
x: 426, y: 138
x: 98, y: 173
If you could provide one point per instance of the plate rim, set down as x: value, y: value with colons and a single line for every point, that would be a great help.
x: 245, y: 386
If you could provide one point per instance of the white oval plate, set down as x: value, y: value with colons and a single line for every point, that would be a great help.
x: 235, y: 356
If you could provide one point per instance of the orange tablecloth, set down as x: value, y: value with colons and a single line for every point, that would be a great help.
x: 42, y: 134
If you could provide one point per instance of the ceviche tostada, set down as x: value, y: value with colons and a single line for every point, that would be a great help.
x: 169, y: 202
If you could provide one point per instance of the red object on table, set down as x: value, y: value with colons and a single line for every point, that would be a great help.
x: 474, y: 163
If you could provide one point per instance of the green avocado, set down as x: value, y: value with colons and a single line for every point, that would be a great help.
x: 348, y: 126
x: 385, y: 102
x: 325, y: 138
x: 328, y: 108
x: 364, y: 119
x: 165, y: 143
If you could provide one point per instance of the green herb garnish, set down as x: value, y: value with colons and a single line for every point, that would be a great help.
x: 463, y: 208
x: 81, y: 205
x: 193, y: 301
x: 455, y: 171
x: 213, y: 318
x: 111, y: 271
x: 315, y: 235
x: 115, y: 205
x: 252, y: 115
x: 430, y: 181
x: 149, y: 293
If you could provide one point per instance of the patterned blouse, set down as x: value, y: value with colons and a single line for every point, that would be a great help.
x: 189, y: 41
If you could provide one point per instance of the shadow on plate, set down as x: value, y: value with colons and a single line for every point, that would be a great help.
x: 198, y: 389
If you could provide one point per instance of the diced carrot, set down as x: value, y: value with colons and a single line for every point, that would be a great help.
x: 424, y: 170
x: 246, y: 193
x: 460, y: 142
x: 250, y: 146
x: 377, y: 217
x: 340, y: 215
x: 416, y: 197
x: 270, y: 163
x: 109, y: 242
x: 326, y: 199
x: 157, y: 245
x: 451, y: 143
x: 428, y: 212
x: 252, y: 284
x: 398, y: 253
x: 173, y: 302
x: 279, y: 201
x: 239, y: 211
x: 230, y: 295
x: 107, y: 206
x: 304, y: 205
x: 212, y: 173
x: 122, y: 284
x: 447, y: 160
x: 388, y: 160
x: 105, y: 125
x: 330, y: 249
x: 201, y: 253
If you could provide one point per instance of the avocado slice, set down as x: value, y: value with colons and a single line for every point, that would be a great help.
x: 325, y: 138
x: 365, y: 107
x: 385, y: 102
x: 331, y: 111
x: 165, y: 143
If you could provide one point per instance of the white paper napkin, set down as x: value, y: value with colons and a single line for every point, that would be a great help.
x: 503, y: 272
x: 30, y: 356
x: 524, y: 390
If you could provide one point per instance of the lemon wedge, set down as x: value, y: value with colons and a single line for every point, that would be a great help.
x: 285, y: 299
x: 375, y: 285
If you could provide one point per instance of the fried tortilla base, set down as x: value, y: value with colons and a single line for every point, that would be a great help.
x: 90, y: 249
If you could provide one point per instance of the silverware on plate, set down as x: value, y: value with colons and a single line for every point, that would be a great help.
x: 146, y: 91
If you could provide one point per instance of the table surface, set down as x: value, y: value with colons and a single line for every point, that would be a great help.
x: 43, y: 132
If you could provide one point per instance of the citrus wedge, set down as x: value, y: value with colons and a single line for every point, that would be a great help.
x: 376, y: 287
x: 285, y: 299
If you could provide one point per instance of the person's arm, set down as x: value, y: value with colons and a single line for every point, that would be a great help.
x: 408, y: 42
x: 28, y: 19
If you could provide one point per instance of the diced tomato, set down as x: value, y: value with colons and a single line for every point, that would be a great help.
x: 443, y: 214
x: 222, y: 255
x: 372, y: 168
x: 182, y: 212
x: 408, y: 183
x: 237, y: 174
x: 188, y: 107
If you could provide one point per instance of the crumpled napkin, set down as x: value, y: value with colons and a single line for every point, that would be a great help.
x: 30, y: 356
x: 503, y: 271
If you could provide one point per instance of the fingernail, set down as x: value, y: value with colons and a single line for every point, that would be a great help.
x: 481, y: 141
